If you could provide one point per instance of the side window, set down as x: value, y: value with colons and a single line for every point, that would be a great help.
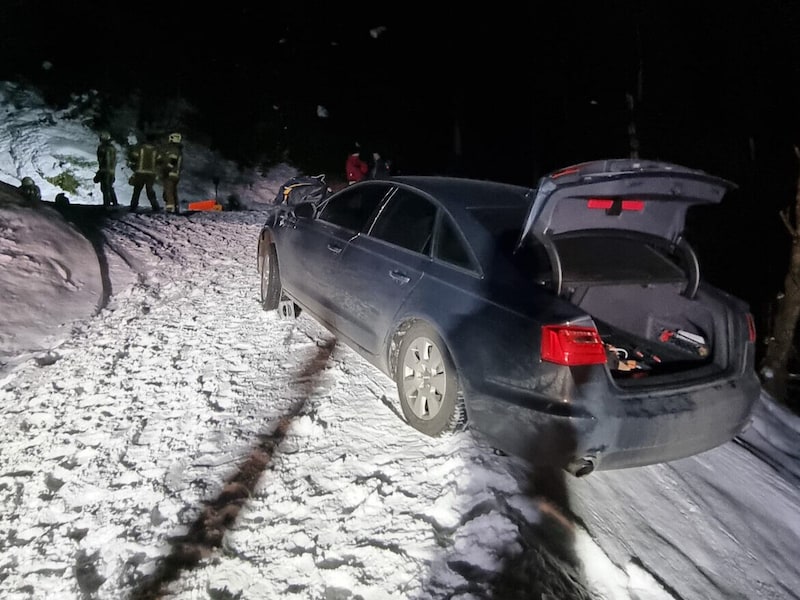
x: 353, y: 208
x: 406, y: 221
x: 450, y: 247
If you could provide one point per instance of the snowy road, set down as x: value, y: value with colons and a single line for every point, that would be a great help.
x: 186, y: 444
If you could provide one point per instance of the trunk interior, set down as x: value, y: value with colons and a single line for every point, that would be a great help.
x: 635, y: 289
x: 653, y: 330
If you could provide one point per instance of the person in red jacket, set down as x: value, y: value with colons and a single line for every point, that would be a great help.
x: 355, y: 168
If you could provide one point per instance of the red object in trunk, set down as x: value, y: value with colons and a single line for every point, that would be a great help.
x: 571, y: 345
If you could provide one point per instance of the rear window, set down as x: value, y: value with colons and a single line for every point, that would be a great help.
x: 505, y: 225
x: 616, y: 259
x: 501, y: 220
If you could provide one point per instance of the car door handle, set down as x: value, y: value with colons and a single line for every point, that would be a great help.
x: 399, y: 277
x: 334, y: 248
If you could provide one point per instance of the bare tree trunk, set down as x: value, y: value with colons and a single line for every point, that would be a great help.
x: 775, y: 366
x: 634, y: 149
x: 633, y: 138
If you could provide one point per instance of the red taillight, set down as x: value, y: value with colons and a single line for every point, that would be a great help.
x: 602, y: 203
x: 633, y: 205
x: 571, y: 345
x: 751, y: 328
x: 608, y: 204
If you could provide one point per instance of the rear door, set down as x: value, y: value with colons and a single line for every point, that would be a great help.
x: 380, y: 269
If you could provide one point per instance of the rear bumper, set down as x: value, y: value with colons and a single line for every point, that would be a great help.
x: 625, y: 431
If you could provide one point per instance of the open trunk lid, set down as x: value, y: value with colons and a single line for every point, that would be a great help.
x: 650, y: 197
x: 613, y: 231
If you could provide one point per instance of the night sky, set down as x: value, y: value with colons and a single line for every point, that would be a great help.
x: 529, y: 87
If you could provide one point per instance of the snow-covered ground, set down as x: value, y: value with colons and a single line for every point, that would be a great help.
x: 161, y: 436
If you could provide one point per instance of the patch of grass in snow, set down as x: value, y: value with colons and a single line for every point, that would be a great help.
x: 66, y: 181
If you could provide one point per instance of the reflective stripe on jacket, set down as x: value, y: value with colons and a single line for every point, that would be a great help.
x: 143, y: 159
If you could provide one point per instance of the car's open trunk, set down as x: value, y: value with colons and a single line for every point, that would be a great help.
x: 614, y: 235
x: 654, y: 330
x: 646, y: 306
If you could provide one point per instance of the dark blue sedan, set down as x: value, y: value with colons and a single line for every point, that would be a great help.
x: 568, y: 323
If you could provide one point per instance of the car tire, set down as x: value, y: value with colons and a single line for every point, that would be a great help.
x: 270, y: 279
x: 427, y: 383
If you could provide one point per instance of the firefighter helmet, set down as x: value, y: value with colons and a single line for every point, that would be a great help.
x: 104, y: 136
x: 27, y: 181
x: 175, y: 138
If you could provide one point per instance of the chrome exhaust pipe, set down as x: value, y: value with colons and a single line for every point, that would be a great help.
x: 581, y: 467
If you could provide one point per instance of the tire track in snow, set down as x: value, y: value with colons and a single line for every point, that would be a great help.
x: 218, y: 515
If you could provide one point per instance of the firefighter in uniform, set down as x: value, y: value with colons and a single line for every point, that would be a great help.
x: 170, y: 161
x: 106, y: 169
x: 142, y: 160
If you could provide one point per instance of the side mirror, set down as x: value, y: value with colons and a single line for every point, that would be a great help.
x: 305, y: 210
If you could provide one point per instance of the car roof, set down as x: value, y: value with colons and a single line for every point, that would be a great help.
x: 457, y: 193
x: 465, y: 198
